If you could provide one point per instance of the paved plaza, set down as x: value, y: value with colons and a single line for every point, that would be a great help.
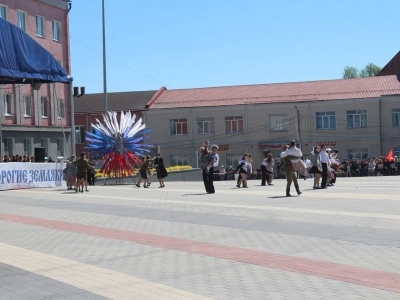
x: 123, y: 242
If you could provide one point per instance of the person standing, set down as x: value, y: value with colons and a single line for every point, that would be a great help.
x: 242, y: 170
x: 324, y: 163
x: 308, y: 164
x: 222, y: 173
x: 316, y: 168
x: 82, y: 165
x: 208, y: 175
x: 290, y: 152
x: 71, y: 174
x: 263, y: 169
x: 144, y: 169
x: 160, y: 169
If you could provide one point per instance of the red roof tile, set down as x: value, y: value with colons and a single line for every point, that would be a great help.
x: 278, y: 92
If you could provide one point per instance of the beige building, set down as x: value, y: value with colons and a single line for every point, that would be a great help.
x: 359, y: 117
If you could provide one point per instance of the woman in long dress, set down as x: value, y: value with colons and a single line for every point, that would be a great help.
x: 160, y: 168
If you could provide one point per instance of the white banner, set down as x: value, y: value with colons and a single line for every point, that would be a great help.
x: 23, y: 175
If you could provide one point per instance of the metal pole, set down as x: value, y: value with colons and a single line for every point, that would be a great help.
x: 104, y: 62
x: 72, y: 117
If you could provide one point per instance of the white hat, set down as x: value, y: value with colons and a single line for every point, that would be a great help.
x: 214, y: 146
x: 328, y: 149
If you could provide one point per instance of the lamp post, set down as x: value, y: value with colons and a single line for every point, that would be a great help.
x: 104, y: 61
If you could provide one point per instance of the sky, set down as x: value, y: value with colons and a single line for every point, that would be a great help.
x: 192, y: 43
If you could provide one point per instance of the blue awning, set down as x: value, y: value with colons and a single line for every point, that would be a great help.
x: 23, y: 60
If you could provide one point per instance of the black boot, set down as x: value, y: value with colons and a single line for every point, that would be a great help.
x: 298, y: 190
x: 288, y: 193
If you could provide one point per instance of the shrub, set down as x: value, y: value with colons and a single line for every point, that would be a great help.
x: 153, y: 170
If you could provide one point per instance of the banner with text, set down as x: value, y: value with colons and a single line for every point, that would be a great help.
x: 15, y: 175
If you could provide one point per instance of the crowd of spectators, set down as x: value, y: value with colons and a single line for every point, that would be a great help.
x: 375, y: 166
x: 18, y: 158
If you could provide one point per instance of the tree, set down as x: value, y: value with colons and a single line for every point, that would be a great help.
x: 350, y: 72
x: 370, y: 70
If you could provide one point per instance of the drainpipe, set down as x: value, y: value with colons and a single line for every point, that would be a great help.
x: 309, y: 126
x: 380, y: 126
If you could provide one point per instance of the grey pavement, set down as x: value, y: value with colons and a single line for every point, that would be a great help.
x: 355, y: 223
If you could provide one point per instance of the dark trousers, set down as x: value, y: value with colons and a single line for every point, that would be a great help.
x: 208, y: 180
x: 264, y: 176
x: 324, y: 174
x: 90, y: 178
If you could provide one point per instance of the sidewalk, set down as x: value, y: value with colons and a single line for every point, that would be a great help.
x: 123, y: 242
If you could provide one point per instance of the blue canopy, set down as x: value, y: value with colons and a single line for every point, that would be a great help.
x: 23, y: 60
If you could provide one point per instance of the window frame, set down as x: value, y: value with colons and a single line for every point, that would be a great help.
x: 26, y: 97
x: 176, y: 125
x: 42, y: 27
x: 395, y: 111
x: 283, y: 122
x: 28, y: 146
x: 324, y: 117
x: 45, y: 143
x: 60, y: 147
x: 5, y: 7
x: 357, y: 113
x: 7, y: 143
x: 19, y: 12
x: 210, y: 123
x: 81, y: 134
x: 234, y: 121
x: 359, y: 153
x: 180, y: 158
x: 61, y: 109
x: 42, y: 107
x: 8, y: 107
x: 58, y: 32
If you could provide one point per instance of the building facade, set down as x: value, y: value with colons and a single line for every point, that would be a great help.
x: 89, y: 109
x: 38, y: 117
x: 359, y: 117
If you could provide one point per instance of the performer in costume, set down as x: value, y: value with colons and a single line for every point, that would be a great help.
x: 316, y: 168
x: 160, y: 169
x: 242, y: 169
x: 290, y: 152
x: 205, y: 156
x: 208, y: 175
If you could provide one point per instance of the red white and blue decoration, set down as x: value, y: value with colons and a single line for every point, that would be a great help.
x: 120, y: 144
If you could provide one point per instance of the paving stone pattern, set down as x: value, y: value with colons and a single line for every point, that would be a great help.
x: 356, y: 224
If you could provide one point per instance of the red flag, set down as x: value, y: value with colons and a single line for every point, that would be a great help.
x: 390, y: 155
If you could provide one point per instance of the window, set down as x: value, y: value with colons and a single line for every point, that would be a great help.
x: 326, y: 120
x: 178, y: 126
x: 22, y: 20
x: 28, y: 146
x: 9, y: 146
x: 56, y: 31
x: 232, y: 159
x: 278, y: 122
x: 45, y: 143
x: 27, y: 106
x: 357, y: 153
x: 3, y: 12
x: 60, y: 147
x: 233, y: 124
x: 79, y: 134
x: 8, y: 104
x: 395, y: 116
x: 61, y: 109
x: 44, y: 102
x: 39, y: 26
x: 356, y: 118
x: 205, y: 125
x: 179, y: 160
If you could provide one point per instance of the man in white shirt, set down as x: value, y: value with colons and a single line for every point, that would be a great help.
x: 308, y: 164
x: 324, y: 162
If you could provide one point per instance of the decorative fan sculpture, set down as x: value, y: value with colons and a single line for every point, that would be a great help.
x: 118, y: 144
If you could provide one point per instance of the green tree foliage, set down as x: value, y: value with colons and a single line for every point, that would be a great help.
x: 350, y: 72
x: 370, y: 70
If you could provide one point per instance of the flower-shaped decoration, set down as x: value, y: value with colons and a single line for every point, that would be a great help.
x: 118, y: 144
